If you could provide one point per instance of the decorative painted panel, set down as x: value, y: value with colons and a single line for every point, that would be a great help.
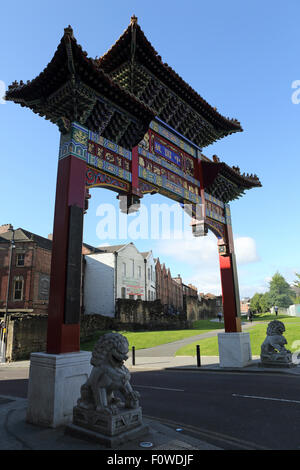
x: 180, y: 143
x: 108, y: 157
x: 164, y: 162
x: 214, y: 208
x: 217, y: 228
x: 96, y: 178
x: 74, y: 142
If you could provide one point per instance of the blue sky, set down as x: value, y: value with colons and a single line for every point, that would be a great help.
x: 242, y: 57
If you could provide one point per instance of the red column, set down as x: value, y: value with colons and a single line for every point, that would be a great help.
x: 229, y: 282
x: 64, y: 336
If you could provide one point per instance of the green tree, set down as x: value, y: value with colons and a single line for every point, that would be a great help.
x: 255, y: 303
x: 297, y: 281
x: 265, y: 302
x: 280, y: 293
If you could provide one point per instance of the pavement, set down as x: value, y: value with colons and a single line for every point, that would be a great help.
x: 17, y: 434
x: 208, y: 363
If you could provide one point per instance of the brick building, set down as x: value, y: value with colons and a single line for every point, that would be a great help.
x: 31, y: 267
x: 245, y: 305
x: 169, y: 290
x: 30, y: 270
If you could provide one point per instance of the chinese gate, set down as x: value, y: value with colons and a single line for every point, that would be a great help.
x: 129, y: 123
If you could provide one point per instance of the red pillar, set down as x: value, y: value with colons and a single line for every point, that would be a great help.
x: 229, y: 279
x: 229, y: 282
x: 63, y: 333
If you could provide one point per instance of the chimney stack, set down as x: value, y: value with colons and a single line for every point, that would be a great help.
x: 5, y: 228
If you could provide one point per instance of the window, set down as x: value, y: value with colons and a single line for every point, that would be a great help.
x: 124, y: 269
x: 20, y: 259
x: 149, y: 274
x: 149, y: 295
x: 140, y: 271
x: 123, y: 293
x: 44, y: 285
x: 132, y: 264
x: 131, y: 296
x: 18, y: 288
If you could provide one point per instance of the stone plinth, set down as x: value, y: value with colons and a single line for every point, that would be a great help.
x: 278, y: 365
x: 54, y: 386
x: 234, y: 349
x: 110, y: 430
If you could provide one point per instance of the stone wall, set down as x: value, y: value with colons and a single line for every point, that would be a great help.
x: 89, y: 324
x: 139, y: 315
x: 201, y: 309
x: 26, y: 334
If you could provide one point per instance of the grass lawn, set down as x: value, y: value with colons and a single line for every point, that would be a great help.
x: 149, y: 339
x: 209, y: 346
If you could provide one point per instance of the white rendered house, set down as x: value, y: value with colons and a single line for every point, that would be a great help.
x: 150, y: 281
x: 118, y: 271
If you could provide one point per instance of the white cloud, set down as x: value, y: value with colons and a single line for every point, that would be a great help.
x: 191, y: 250
x: 201, y: 255
x: 198, y: 256
x: 245, y: 249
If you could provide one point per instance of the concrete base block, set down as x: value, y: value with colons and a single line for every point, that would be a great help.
x: 278, y: 365
x: 110, y: 425
x: 110, y: 430
x: 234, y: 349
x: 54, y: 386
x: 109, y: 441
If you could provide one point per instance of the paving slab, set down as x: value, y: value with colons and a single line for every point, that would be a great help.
x: 17, y: 434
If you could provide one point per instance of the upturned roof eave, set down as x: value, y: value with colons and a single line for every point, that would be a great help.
x: 120, y: 53
x: 59, y: 70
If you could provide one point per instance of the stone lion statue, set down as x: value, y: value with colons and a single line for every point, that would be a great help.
x: 108, y: 376
x: 273, y: 348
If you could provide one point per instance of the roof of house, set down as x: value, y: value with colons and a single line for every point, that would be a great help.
x: 22, y: 235
x: 111, y: 248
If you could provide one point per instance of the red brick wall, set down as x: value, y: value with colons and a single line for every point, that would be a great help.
x: 168, y: 291
x: 37, y: 261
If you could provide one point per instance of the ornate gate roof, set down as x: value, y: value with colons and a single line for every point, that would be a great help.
x: 73, y: 88
x: 134, y: 63
x: 121, y: 94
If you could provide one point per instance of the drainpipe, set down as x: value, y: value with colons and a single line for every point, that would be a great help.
x: 145, y: 263
x: 116, y: 279
x: 12, y: 245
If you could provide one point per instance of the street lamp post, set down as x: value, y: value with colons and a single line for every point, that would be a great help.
x: 4, y: 336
